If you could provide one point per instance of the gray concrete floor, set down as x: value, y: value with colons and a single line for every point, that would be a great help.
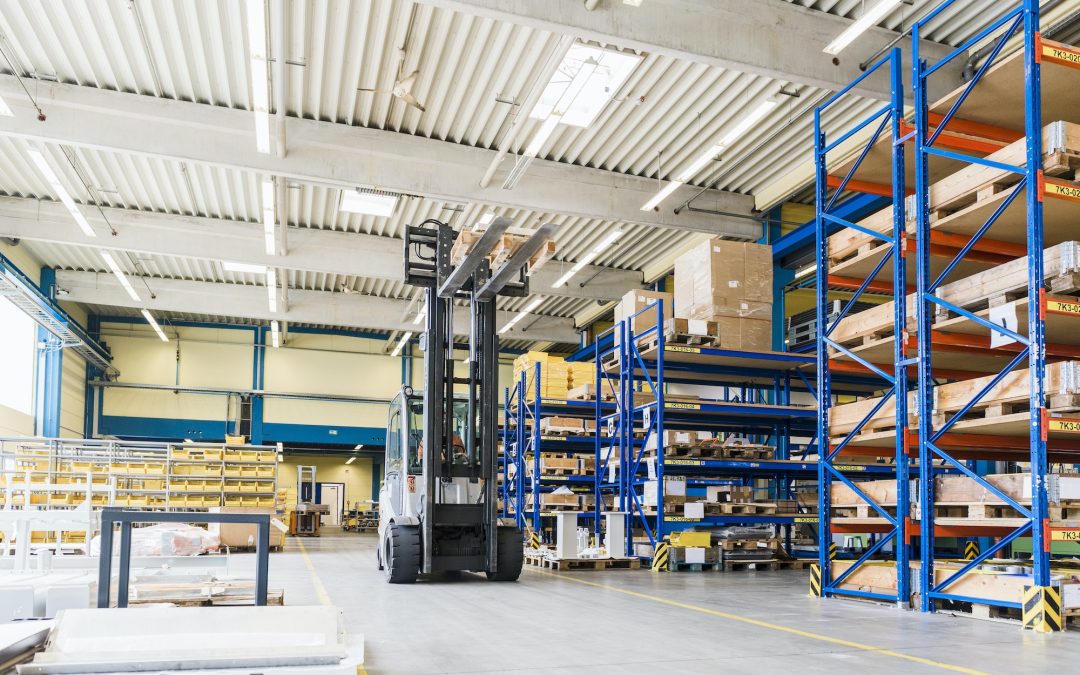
x: 638, y: 622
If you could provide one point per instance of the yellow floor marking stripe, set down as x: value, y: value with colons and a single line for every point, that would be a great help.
x: 320, y: 590
x: 770, y: 626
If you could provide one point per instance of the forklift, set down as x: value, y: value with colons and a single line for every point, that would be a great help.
x: 438, y: 503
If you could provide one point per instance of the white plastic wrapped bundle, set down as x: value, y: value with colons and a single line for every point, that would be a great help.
x: 178, y: 539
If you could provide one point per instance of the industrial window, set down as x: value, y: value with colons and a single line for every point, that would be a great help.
x: 18, y: 334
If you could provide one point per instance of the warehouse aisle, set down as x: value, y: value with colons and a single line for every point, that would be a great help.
x: 640, y: 622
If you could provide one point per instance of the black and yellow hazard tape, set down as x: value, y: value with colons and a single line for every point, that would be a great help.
x: 660, y: 556
x: 1042, y: 609
x: 534, y: 539
x: 971, y: 551
x: 815, y: 580
x: 833, y: 550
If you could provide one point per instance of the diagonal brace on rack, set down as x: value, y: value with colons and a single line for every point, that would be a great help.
x: 864, y: 558
x: 869, y: 366
x: 1023, y: 354
x: 982, y: 557
x: 863, y: 496
x: 977, y: 319
x: 858, y: 293
x: 858, y: 427
x: 981, y: 481
x: 978, y: 235
x: 883, y: 112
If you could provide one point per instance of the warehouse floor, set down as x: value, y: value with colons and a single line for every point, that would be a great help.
x: 640, y: 622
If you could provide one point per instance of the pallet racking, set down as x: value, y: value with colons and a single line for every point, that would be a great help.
x: 525, y: 445
x: 870, y: 269
x: 755, y: 401
x: 134, y: 474
x: 1022, y: 210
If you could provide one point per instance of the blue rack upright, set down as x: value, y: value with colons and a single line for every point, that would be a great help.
x: 884, y: 270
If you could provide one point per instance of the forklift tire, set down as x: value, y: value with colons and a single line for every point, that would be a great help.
x: 401, y: 554
x: 510, y: 555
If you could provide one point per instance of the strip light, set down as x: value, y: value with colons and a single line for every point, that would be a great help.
x: 5, y: 109
x: 260, y: 73
x: 275, y: 333
x: 869, y: 18
x: 541, y: 136
x: 529, y: 309
x: 401, y: 343
x: 271, y: 288
x: 268, y: 216
x: 350, y: 460
x: 728, y: 139
x: 420, y: 316
x: 245, y: 268
x: 154, y: 324
x: 119, y: 273
x: 589, y: 257
x: 65, y: 197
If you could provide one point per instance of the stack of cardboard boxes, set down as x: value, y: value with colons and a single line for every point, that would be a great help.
x: 729, y: 283
x: 723, y: 289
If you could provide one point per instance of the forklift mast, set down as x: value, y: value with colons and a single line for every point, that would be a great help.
x: 470, y: 289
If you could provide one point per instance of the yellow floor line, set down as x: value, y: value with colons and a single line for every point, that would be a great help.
x: 770, y: 626
x: 320, y: 590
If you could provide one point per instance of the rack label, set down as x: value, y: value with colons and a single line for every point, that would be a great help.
x: 849, y: 467
x: 683, y: 350
x: 554, y: 438
x: 1062, y: 307
x: 1064, y: 535
x: 1063, y: 425
x: 1063, y: 191
x: 806, y: 519
x: 682, y: 406
x: 552, y: 401
x: 682, y: 519
x: 1066, y: 56
x: 683, y: 462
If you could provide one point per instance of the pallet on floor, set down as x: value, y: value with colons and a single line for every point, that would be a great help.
x: 579, y: 564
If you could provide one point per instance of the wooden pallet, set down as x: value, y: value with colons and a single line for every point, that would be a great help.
x: 576, y: 564
x: 966, y: 188
x: 989, y: 288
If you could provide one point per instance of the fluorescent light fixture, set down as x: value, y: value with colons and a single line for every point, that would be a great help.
x: 421, y: 315
x: 119, y: 273
x: 485, y: 219
x: 350, y: 460
x: 245, y: 268
x: 662, y: 195
x: 268, y: 195
x: 260, y: 75
x: 5, y: 110
x: 736, y: 132
x: 61, y: 192
x: 401, y: 343
x: 358, y: 446
x: 589, y: 257
x: 869, y: 18
x: 275, y: 334
x: 271, y: 288
x: 541, y: 136
x: 154, y: 324
x: 584, y: 83
x: 368, y: 203
x: 529, y: 309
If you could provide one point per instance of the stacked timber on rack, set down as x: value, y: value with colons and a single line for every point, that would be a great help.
x: 554, y: 375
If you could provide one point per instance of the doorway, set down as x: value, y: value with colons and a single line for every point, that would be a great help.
x: 333, y: 495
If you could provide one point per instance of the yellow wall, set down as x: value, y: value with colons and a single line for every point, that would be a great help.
x: 193, y: 357
x: 330, y: 469
x: 330, y: 364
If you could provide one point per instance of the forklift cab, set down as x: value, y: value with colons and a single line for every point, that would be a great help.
x: 403, y: 483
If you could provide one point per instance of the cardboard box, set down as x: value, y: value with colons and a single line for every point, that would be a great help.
x: 722, y: 494
x: 694, y: 510
x: 673, y: 438
x: 637, y: 300
x: 561, y: 425
x: 720, y: 272
x: 750, y: 334
x: 674, y: 488
x: 237, y: 535
x: 694, y: 555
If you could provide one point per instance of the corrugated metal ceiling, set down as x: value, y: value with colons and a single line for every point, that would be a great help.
x: 342, y: 58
